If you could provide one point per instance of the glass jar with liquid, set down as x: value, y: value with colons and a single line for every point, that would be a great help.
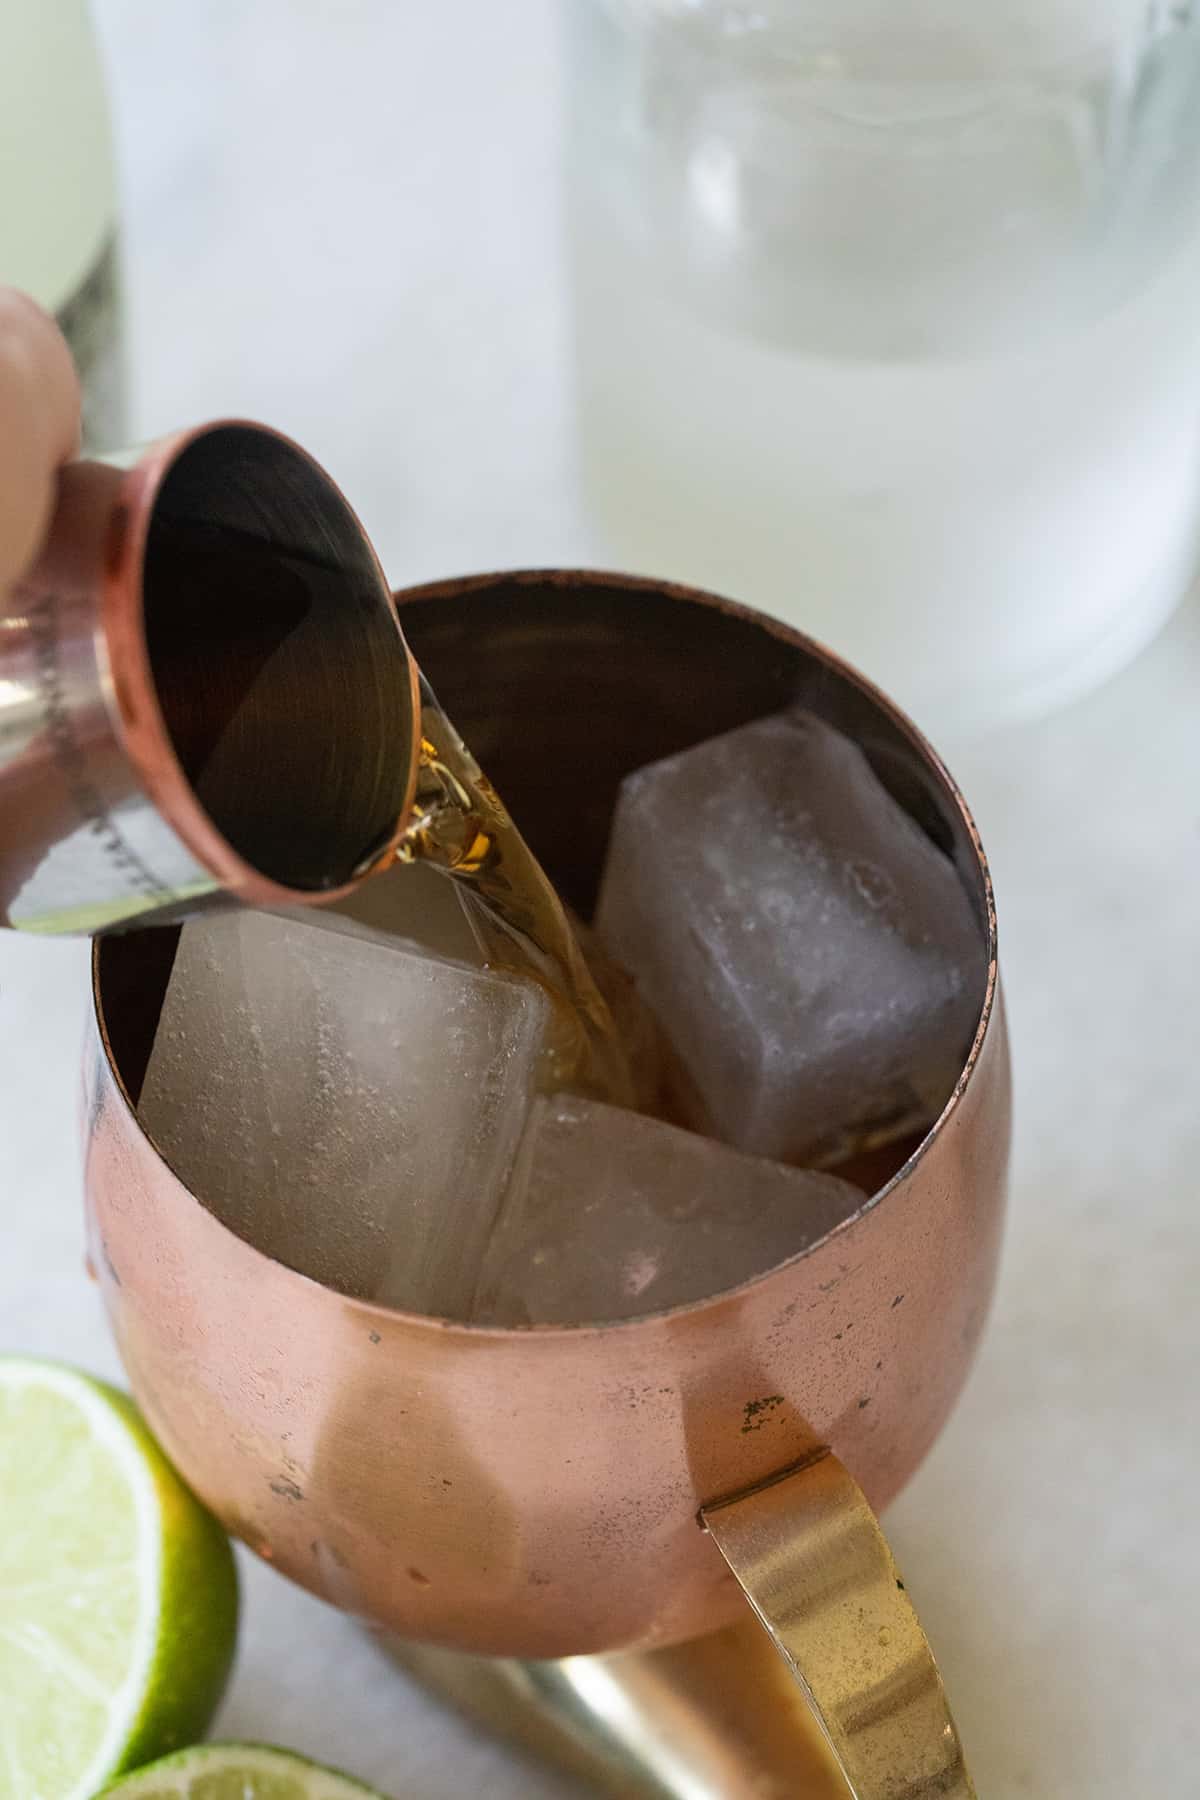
x: 888, y: 322
x: 58, y: 195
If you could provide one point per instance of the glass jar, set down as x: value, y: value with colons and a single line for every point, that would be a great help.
x: 58, y: 195
x: 887, y: 320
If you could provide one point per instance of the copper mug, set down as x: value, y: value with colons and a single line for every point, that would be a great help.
x: 602, y: 1492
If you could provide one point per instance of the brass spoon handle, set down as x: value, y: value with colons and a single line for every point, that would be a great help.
x: 810, y: 1557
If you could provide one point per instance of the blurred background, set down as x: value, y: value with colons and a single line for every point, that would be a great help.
x: 876, y: 318
x: 344, y: 221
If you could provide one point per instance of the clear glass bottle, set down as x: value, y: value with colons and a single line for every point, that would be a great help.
x: 888, y: 321
x: 58, y: 194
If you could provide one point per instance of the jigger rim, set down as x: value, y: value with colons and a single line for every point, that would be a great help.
x: 650, y: 1321
x: 132, y: 692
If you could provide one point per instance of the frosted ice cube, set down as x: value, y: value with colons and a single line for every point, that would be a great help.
x: 810, y: 952
x: 612, y: 1214
x: 414, y: 902
x: 350, y: 1107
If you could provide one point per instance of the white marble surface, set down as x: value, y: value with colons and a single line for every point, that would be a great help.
x: 341, y: 219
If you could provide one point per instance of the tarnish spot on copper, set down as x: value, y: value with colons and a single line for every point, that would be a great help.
x: 757, y: 1413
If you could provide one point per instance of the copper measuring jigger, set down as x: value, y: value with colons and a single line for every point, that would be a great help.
x: 202, y: 684
x: 595, y: 1492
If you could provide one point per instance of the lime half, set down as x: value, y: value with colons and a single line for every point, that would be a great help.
x: 238, y: 1772
x: 118, y: 1596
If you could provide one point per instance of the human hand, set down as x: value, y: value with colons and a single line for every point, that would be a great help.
x: 39, y: 426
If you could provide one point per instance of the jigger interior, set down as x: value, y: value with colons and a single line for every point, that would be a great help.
x: 535, y: 1492
x: 273, y: 659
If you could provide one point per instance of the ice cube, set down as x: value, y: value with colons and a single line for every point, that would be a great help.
x: 350, y: 1107
x: 810, y: 952
x: 417, y: 903
x: 612, y: 1214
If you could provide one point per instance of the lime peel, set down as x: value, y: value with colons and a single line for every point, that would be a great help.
x: 238, y: 1772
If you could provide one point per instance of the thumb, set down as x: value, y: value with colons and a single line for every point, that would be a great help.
x: 39, y: 426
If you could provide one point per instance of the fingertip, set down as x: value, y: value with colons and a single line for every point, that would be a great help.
x: 39, y: 425
x: 31, y: 340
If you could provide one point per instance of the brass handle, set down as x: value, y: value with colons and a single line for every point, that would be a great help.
x: 852, y: 1705
x: 810, y: 1557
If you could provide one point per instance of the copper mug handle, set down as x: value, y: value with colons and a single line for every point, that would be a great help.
x: 852, y: 1704
x: 810, y: 1558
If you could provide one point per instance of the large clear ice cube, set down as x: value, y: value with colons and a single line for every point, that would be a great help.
x: 350, y: 1106
x: 810, y: 952
x: 417, y: 903
x: 612, y: 1214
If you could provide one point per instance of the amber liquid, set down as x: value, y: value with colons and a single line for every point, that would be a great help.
x: 463, y: 828
x: 603, y: 1040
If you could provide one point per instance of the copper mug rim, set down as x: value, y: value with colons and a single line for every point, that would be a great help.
x: 273, y: 895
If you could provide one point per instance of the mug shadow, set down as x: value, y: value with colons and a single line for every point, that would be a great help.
x: 958, y: 1533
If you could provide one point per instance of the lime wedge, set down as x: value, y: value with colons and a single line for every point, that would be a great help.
x: 118, y: 1597
x: 238, y: 1772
